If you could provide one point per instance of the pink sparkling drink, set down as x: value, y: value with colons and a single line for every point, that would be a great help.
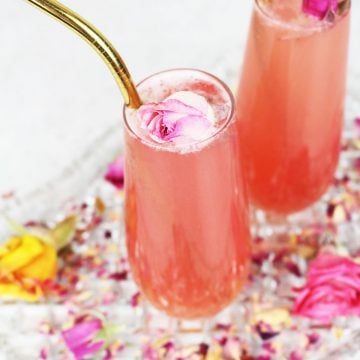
x: 290, y: 103
x: 186, y: 210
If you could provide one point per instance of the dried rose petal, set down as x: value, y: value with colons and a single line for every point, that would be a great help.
x: 265, y: 331
x: 119, y: 276
x: 313, y: 338
x: 203, y: 349
x: 79, y: 338
x: 357, y: 164
x: 43, y: 354
x: 115, y: 173
x: 173, y: 119
x: 150, y: 353
x: 319, y: 8
x: 268, y: 346
x: 263, y: 357
x: 357, y: 127
x: 293, y: 268
x: 294, y: 355
x: 135, y: 300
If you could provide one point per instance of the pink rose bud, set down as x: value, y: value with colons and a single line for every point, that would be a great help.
x: 332, y: 289
x: 172, y: 120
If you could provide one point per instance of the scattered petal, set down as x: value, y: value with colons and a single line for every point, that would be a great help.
x: 115, y: 173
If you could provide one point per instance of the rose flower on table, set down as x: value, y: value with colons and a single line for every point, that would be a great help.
x: 29, y: 259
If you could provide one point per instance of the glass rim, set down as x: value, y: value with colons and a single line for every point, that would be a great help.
x: 219, y: 131
x: 291, y: 25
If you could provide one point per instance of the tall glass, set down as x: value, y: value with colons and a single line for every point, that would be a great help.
x: 186, y: 210
x: 290, y: 103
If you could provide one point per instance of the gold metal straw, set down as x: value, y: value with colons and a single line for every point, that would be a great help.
x: 98, y: 41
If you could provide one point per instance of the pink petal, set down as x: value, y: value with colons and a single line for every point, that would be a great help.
x: 115, y: 173
x: 150, y: 353
x: 295, y: 356
x: 86, y: 349
x: 357, y: 126
x: 319, y: 8
x: 78, y: 338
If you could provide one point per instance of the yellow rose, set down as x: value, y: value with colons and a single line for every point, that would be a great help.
x: 25, y: 262
x: 29, y: 259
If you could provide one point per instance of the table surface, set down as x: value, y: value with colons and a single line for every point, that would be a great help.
x: 57, y: 97
x: 59, y: 103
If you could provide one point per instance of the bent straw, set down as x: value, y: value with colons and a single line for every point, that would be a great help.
x: 98, y: 41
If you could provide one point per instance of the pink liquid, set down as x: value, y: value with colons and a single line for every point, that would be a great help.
x: 290, y: 103
x: 186, y: 212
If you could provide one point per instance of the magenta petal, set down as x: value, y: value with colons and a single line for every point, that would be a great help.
x: 79, y: 338
x: 86, y: 349
x: 357, y: 127
x: 115, y: 173
x: 319, y: 8
x: 82, y: 331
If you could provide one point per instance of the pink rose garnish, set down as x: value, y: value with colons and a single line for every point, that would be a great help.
x: 81, y: 338
x: 332, y: 289
x: 172, y: 119
x: 319, y: 8
x: 115, y: 173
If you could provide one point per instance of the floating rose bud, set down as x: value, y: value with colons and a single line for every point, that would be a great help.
x: 172, y: 119
x: 332, y: 289
x: 319, y: 8
x: 115, y: 173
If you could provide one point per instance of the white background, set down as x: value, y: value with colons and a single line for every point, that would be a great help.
x: 56, y: 95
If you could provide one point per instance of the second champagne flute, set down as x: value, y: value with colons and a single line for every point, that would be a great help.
x: 290, y: 101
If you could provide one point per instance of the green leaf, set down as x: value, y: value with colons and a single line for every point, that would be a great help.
x: 107, y: 333
x: 17, y: 228
x: 64, y: 231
